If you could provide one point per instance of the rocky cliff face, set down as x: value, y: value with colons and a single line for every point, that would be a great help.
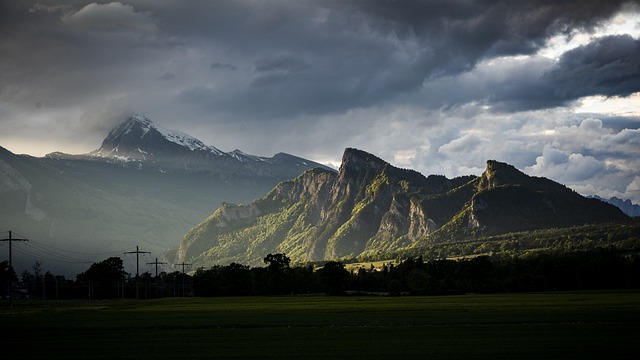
x: 368, y: 207
x: 371, y: 208
x: 506, y: 200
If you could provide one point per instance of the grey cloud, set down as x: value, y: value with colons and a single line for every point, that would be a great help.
x: 113, y: 16
x: 367, y: 52
x: 217, y: 65
x: 463, y: 145
x: 566, y: 167
x: 486, y: 28
x: 166, y: 76
x: 197, y: 94
x: 339, y: 55
x: 618, y: 122
x: 426, y: 74
x: 55, y: 9
x: 278, y: 69
x: 283, y: 63
x: 48, y: 58
x: 609, y: 66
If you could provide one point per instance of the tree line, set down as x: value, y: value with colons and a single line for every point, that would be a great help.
x: 600, y: 268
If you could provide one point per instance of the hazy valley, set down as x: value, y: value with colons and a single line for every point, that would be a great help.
x: 143, y: 187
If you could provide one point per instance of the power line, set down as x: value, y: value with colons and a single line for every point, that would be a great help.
x: 53, y: 255
x: 39, y: 250
x: 53, y: 248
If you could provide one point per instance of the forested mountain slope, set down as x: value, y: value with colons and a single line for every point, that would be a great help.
x: 370, y: 208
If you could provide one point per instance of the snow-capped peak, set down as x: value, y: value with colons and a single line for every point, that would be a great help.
x: 136, y: 120
x: 185, y: 140
x: 139, y: 138
x: 171, y: 135
x: 244, y: 157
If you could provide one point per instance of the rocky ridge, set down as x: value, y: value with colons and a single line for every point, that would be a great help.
x: 371, y: 208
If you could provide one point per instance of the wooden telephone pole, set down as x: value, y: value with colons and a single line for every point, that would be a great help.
x: 11, y: 240
x: 183, y: 265
x: 156, y: 263
x: 156, y: 279
x: 137, y: 252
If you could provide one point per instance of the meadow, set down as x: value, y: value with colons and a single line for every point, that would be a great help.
x: 560, y: 325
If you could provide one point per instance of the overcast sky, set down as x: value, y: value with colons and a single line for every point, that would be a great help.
x: 552, y: 87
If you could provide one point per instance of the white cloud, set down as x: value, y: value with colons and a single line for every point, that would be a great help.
x: 624, y: 106
x: 565, y: 167
x: 633, y: 189
x: 466, y: 144
x: 113, y: 16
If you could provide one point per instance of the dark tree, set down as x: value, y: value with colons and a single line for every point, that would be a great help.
x: 277, y: 279
x: 104, y: 277
x: 333, y: 277
x: 277, y: 261
x: 207, y: 282
x: 6, y: 275
x: 236, y: 279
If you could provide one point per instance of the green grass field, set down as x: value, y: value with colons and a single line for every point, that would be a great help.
x: 575, y: 325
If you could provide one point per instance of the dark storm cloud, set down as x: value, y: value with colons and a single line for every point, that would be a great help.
x: 362, y: 53
x: 609, y: 66
x: 441, y: 84
x: 476, y: 29
x: 314, y: 56
x: 70, y: 55
x: 284, y: 63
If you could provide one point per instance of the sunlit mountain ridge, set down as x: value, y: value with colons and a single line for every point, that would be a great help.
x: 371, y: 209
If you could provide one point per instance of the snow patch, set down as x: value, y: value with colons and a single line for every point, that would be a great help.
x: 244, y: 157
x: 175, y: 136
x: 121, y: 158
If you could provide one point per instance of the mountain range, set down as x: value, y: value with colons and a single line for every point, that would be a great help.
x: 626, y: 206
x: 148, y: 186
x: 370, y: 208
x: 144, y: 186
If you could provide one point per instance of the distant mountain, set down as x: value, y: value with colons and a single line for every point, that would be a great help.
x: 138, y: 143
x: 138, y: 138
x: 626, y: 206
x: 372, y: 208
x: 144, y: 186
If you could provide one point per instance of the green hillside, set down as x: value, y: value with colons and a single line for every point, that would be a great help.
x: 371, y: 209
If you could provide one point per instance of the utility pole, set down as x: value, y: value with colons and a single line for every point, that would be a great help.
x: 156, y: 279
x: 183, y: 265
x: 11, y: 240
x: 156, y: 263
x: 137, y: 252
